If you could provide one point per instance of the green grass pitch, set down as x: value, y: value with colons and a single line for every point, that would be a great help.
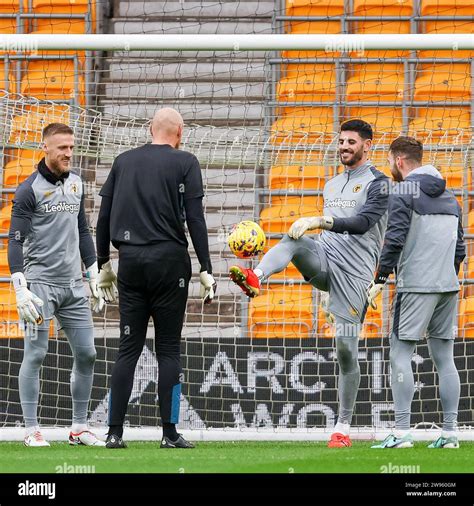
x: 235, y: 457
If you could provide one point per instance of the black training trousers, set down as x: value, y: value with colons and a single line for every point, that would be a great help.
x: 152, y: 282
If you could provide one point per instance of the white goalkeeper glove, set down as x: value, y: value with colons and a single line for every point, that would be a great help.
x: 324, y: 302
x: 375, y: 288
x: 300, y: 226
x: 208, y: 287
x: 26, y: 300
x: 97, y: 302
x: 107, y: 283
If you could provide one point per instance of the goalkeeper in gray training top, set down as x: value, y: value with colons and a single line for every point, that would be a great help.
x: 48, y: 238
x: 341, y: 260
x: 424, y: 243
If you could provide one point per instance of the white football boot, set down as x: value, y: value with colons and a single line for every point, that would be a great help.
x: 86, y: 438
x: 35, y: 439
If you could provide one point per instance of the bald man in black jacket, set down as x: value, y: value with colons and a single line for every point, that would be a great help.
x: 149, y: 194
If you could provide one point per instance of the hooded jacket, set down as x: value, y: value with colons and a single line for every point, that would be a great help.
x: 424, y: 240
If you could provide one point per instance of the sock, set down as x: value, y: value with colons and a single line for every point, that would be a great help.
x: 448, y: 433
x: 343, y: 428
x: 169, y: 431
x: 115, y: 430
x: 78, y: 427
x: 259, y: 274
x: 30, y: 430
x: 400, y: 433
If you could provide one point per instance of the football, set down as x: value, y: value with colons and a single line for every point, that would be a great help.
x: 246, y: 239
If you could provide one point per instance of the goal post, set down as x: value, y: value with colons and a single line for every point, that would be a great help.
x: 236, y: 42
x: 263, y: 122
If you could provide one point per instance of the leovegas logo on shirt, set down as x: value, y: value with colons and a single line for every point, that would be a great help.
x: 339, y: 203
x: 61, y: 207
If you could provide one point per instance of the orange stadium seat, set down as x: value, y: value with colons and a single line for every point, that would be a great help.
x: 13, y: 155
x: 298, y: 177
x: 5, y: 215
x: 469, y: 272
x: 282, y: 313
x: 58, y: 29
x: 291, y: 155
x: 66, y: 8
x: 466, y: 317
x: 278, y: 219
x: 17, y: 171
x: 373, y: 326
x: 313, y: 27
x: 470, y: 223
x: 324, y: 8
x: 8, y: 310
x: 446, y: 8
x: 451, y: 124
x: 386, y: 122
x: 4, y: 269
x: 6, y: 76
x: 303, y: 125
x: 319, y: 85
x: 443, y: 82
x: 295, y: 201
x: 9, y: 24
x: 53, y: 80
x: 28, y: 127
x: 381, y: 9
x: 372, y: 84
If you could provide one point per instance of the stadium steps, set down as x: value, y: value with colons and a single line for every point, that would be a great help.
x: 218, y: 88
x: 241, y: 9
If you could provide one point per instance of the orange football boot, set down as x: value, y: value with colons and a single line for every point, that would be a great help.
x: 246, y: 279
x: 339, y: 440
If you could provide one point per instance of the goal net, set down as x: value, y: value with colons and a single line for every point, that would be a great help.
x: 264, y: 126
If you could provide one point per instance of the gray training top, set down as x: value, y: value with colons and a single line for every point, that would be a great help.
x: 48, y: 232
x: 357, y: 199
x: 424, y: 238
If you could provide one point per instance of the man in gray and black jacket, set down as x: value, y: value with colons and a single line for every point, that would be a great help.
x: 340, y: 260
x: 424, y: 244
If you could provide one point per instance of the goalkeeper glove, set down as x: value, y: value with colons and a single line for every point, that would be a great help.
x: 376, y: 287
x: 107, y: 284
x: 26, y: 300
x: 300, y: 226
x: 324, y: 302
x: 208, y: 287
x: 97, y: 301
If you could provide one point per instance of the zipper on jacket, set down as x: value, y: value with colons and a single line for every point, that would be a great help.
x: 345, y: 184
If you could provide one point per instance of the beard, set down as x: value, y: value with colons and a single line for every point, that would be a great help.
x: 56, y: 168
x: 396, y: 174
x: 354, y: 160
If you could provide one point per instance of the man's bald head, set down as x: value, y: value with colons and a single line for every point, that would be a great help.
x: 167, y: 127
